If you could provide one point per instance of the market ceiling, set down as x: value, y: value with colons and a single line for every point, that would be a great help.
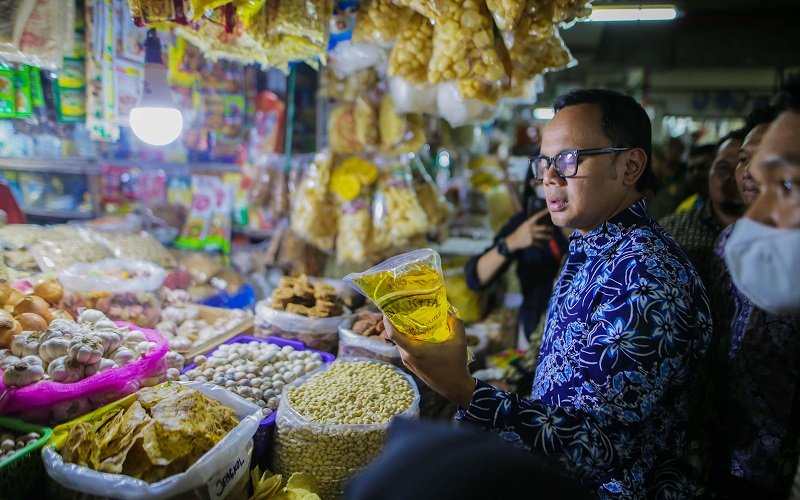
x: 707, y: 34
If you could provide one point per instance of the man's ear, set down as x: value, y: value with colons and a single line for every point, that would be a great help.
x: 634, y: 166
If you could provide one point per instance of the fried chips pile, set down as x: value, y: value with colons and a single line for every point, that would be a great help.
x: 165, y: 431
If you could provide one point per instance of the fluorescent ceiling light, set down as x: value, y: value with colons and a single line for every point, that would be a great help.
x: 633, y: 13
x: 544, y: 113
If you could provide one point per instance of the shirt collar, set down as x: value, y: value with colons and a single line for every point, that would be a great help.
x: 611, y: 231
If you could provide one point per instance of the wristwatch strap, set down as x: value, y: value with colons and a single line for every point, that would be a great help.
x: 502, y: 248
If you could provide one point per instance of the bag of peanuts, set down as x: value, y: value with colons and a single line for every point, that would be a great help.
x: 333, y: 421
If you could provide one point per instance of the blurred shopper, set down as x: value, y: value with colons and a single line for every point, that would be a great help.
x: 700, y: 160
x: 673, y: 186
x: 530, y: 241
x: 626, y: 326
x: 758, y: 401
x: 719, y: 205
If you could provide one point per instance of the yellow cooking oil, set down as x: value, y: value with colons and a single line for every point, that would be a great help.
x: 414, y: 299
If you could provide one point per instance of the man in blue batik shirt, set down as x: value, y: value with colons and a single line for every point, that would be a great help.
x: 627, y: 324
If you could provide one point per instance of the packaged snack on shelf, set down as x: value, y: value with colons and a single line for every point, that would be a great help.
x: 433, y: 202
x: 314, y: 213
x: 342, y: 135
x: 56, y: 254
x: 366, y: 123
x: 405, y: 217
x: 353, y: 238
x: 409, y: 289
x: 506, y: 13
x: 567, y: 11
x: 363, y: 336
x: 21, y: 470
x: 300, y: 18
x: 301, y: 310
x: 315, y: 432
x: 427, y: 8
x: 149, y: 12
x: 38, y: 38
x: 379, y: 21
x: 137, y: 246
x: 125, y: 290
x: 89, y: 363
x: 412, y: 52
x: 180, y: 439
x: 198, y: 224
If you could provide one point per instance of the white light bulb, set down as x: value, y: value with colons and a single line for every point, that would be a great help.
x: 156, y: 126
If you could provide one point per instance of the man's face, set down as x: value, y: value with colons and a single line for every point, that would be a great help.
x: 596, y: 192
x: 721, y: 179
x: 697, y: 172
x: 776, y: 169
x: 747, y: 186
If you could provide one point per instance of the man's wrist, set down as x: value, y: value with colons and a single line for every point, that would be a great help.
x: 464, y: 396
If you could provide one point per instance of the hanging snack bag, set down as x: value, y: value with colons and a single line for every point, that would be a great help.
x: 379, y: 21
x: 314, y: 215
x: 409, y: 290
x: 412, y: 52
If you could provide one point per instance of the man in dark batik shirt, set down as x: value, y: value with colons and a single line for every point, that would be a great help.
x: 627, y: 323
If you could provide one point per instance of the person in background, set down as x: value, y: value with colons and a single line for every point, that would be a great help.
x: 537, y: 248
x: 673, y: 186
x: 758, y: 388
x: 719, y: 206
x: 700, y: 160
x: 627, y: 323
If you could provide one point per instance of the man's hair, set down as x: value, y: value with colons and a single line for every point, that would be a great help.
x: 788, y: 98
x: 738, y: 135
x: 703, y: 149
x: 760, y: 116
x: 623, y: 120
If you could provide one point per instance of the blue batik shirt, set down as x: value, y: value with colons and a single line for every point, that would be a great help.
x: 627, y: 325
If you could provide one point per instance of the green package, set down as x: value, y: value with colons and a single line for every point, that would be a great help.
x: 22, y: 92
x: 8, y: 104
x: 37, y: 93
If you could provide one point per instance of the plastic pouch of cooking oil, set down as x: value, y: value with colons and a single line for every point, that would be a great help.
x: 409, y: 290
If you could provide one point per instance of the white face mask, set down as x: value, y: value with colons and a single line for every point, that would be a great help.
x: 764, y: 263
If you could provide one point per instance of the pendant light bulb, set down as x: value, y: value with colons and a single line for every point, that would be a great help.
x: 155, y: 120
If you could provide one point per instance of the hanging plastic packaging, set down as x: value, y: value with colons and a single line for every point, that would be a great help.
x: 412, y: 52
x: 452, y: 106
x: 409, y: 290
x: 412, y: 98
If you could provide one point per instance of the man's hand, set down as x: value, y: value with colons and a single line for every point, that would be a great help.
x: 533, y: 232
x: 442, y: 366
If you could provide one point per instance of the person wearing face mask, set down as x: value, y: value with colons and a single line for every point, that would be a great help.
x: 537, y: 248
x: 626, y: 326
x: 697, y: 230
x: 758, y: 387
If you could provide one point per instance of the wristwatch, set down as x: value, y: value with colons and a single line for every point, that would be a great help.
x: 502, y: 248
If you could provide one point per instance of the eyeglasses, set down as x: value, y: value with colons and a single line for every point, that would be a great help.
x: 566, y: 162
